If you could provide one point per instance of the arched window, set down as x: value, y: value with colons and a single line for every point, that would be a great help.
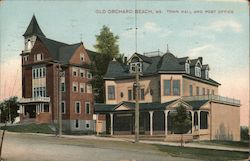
x: 29, y: 45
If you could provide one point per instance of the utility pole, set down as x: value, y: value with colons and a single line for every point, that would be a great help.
x: 137, y: 115
x: 59, y: 101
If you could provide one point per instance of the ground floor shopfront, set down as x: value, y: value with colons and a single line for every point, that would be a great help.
x: 156, y: 119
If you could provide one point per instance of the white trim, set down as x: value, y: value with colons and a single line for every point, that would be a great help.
x: 64, y: 107
x: 87, y: 122
x: 86, y: 108
x: 79, y: 107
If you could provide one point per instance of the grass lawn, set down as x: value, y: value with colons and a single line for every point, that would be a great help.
x: 29, y: 128
x: 202, y: 154
x: 238, y: 144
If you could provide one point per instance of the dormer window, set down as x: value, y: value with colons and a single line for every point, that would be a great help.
x: 198, y: 69
x: 133, y: 67
x: 206, y: 74
x: 29, y: 44
x: 187, y: 67
x: 38, y: 57
x: 135, y: 62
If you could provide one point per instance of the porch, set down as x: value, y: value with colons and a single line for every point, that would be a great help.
x: 35, y: 110
x: 155, y: 120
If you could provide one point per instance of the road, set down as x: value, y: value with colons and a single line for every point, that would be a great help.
x: 30, y: 147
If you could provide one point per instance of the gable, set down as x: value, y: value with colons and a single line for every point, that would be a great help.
x: 177, y: 103
x: 75, y: 57
x: 39, y: 47
x: 122, y: 108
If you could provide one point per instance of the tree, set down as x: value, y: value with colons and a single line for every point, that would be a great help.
x: 9, y: 109
x: 107, y: 48
x: 181, y: 121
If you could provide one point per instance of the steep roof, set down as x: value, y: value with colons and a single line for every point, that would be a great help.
x: 33, y: 28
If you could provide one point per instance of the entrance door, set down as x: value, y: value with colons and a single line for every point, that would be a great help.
x: 30, y: 110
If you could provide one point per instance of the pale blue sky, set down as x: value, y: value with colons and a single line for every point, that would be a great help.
x: 222, y: 39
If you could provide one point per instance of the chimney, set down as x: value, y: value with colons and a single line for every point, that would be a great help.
x: 200, y: 58
x: 125, y: 60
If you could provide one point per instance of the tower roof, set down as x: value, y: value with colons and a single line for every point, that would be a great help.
x: 33, y: 28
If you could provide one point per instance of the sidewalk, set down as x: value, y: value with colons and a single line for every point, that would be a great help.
x: 193, y: 144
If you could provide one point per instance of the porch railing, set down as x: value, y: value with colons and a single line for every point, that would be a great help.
x: 34, y: 99
x: 218, y: 98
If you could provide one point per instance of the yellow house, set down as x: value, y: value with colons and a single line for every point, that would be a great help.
x: 166, y: 81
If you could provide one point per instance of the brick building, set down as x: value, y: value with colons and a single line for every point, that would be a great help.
x: 166, y: 81
x: 40, y: 81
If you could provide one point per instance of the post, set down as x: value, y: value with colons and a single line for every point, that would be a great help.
x: 199, y: 119
x: 96, y: 125
x: 192, y: 115
x: 166, y: 122
x: 137, y: 105
x: 111, y: 124
x: 59, y: 101
x: 151, y: 122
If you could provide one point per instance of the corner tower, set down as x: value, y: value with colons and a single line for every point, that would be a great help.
x: 31, y: 34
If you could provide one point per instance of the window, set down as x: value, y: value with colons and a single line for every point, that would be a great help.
x: 187, y: 67
x: 204, y: 120
x: 203, y: 91
x: 39, y: 92
x: 75, y: 71
x: 63, y: 107
x: 206, y: 74
x: 142, y: 94
x: 38, y: 57
x: 82, y: 87
x: 133, y: 67
x: 89, y: 75
x: 75, y: 87
x: 82, y: 73
x: 87, y: 108
x: 130, y: 94
x: 197, y: 91
x: 191, y: 90
x: 212, y: 92
x: 89, y: 88
x: 197, y: 71
x: 167, y: 87
x: 38, y: 72
x: 63, y: 87
x: 77, y: 123
x: 111, y: 92
x: 176, y: 87
x: 25, y: 58
x: 87, y: 124
x: 82, y: 57
x: 208, y: 91
x: 77, y: 107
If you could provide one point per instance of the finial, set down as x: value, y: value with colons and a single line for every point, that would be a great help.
x: 167, y: 49
x: 81, y: 37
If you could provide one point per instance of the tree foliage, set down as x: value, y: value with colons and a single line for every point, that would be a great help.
x: 107, y: 48
x: 8, y: 108
x: 181, y: 121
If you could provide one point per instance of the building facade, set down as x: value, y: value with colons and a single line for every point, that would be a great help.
x: 166, y: 82
x: 51, y: 69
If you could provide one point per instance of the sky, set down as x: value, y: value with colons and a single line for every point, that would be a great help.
x: 218, y: 31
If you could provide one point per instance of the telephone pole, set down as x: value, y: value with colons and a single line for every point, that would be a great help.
x: 137, y: 115
x: 59, y: 100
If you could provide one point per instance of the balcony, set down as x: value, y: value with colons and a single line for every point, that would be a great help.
x: 216, y: 98
x: 34, y: 100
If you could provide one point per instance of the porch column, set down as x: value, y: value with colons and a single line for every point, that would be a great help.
x: 111, y: 124
x: 151, y: 113
x: 96, y: 125
x: 192, y: 116
x: 166, y: 122
x: 199, y: 119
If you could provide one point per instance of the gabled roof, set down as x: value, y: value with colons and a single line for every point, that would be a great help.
x: 144, y: 58
x: 170, y: 63
x: 66, y: 52
x: 33, y: 28
x: 204, y: 67
x: 193, y: 62
x: 197, y: 104
x: 182, y: 60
